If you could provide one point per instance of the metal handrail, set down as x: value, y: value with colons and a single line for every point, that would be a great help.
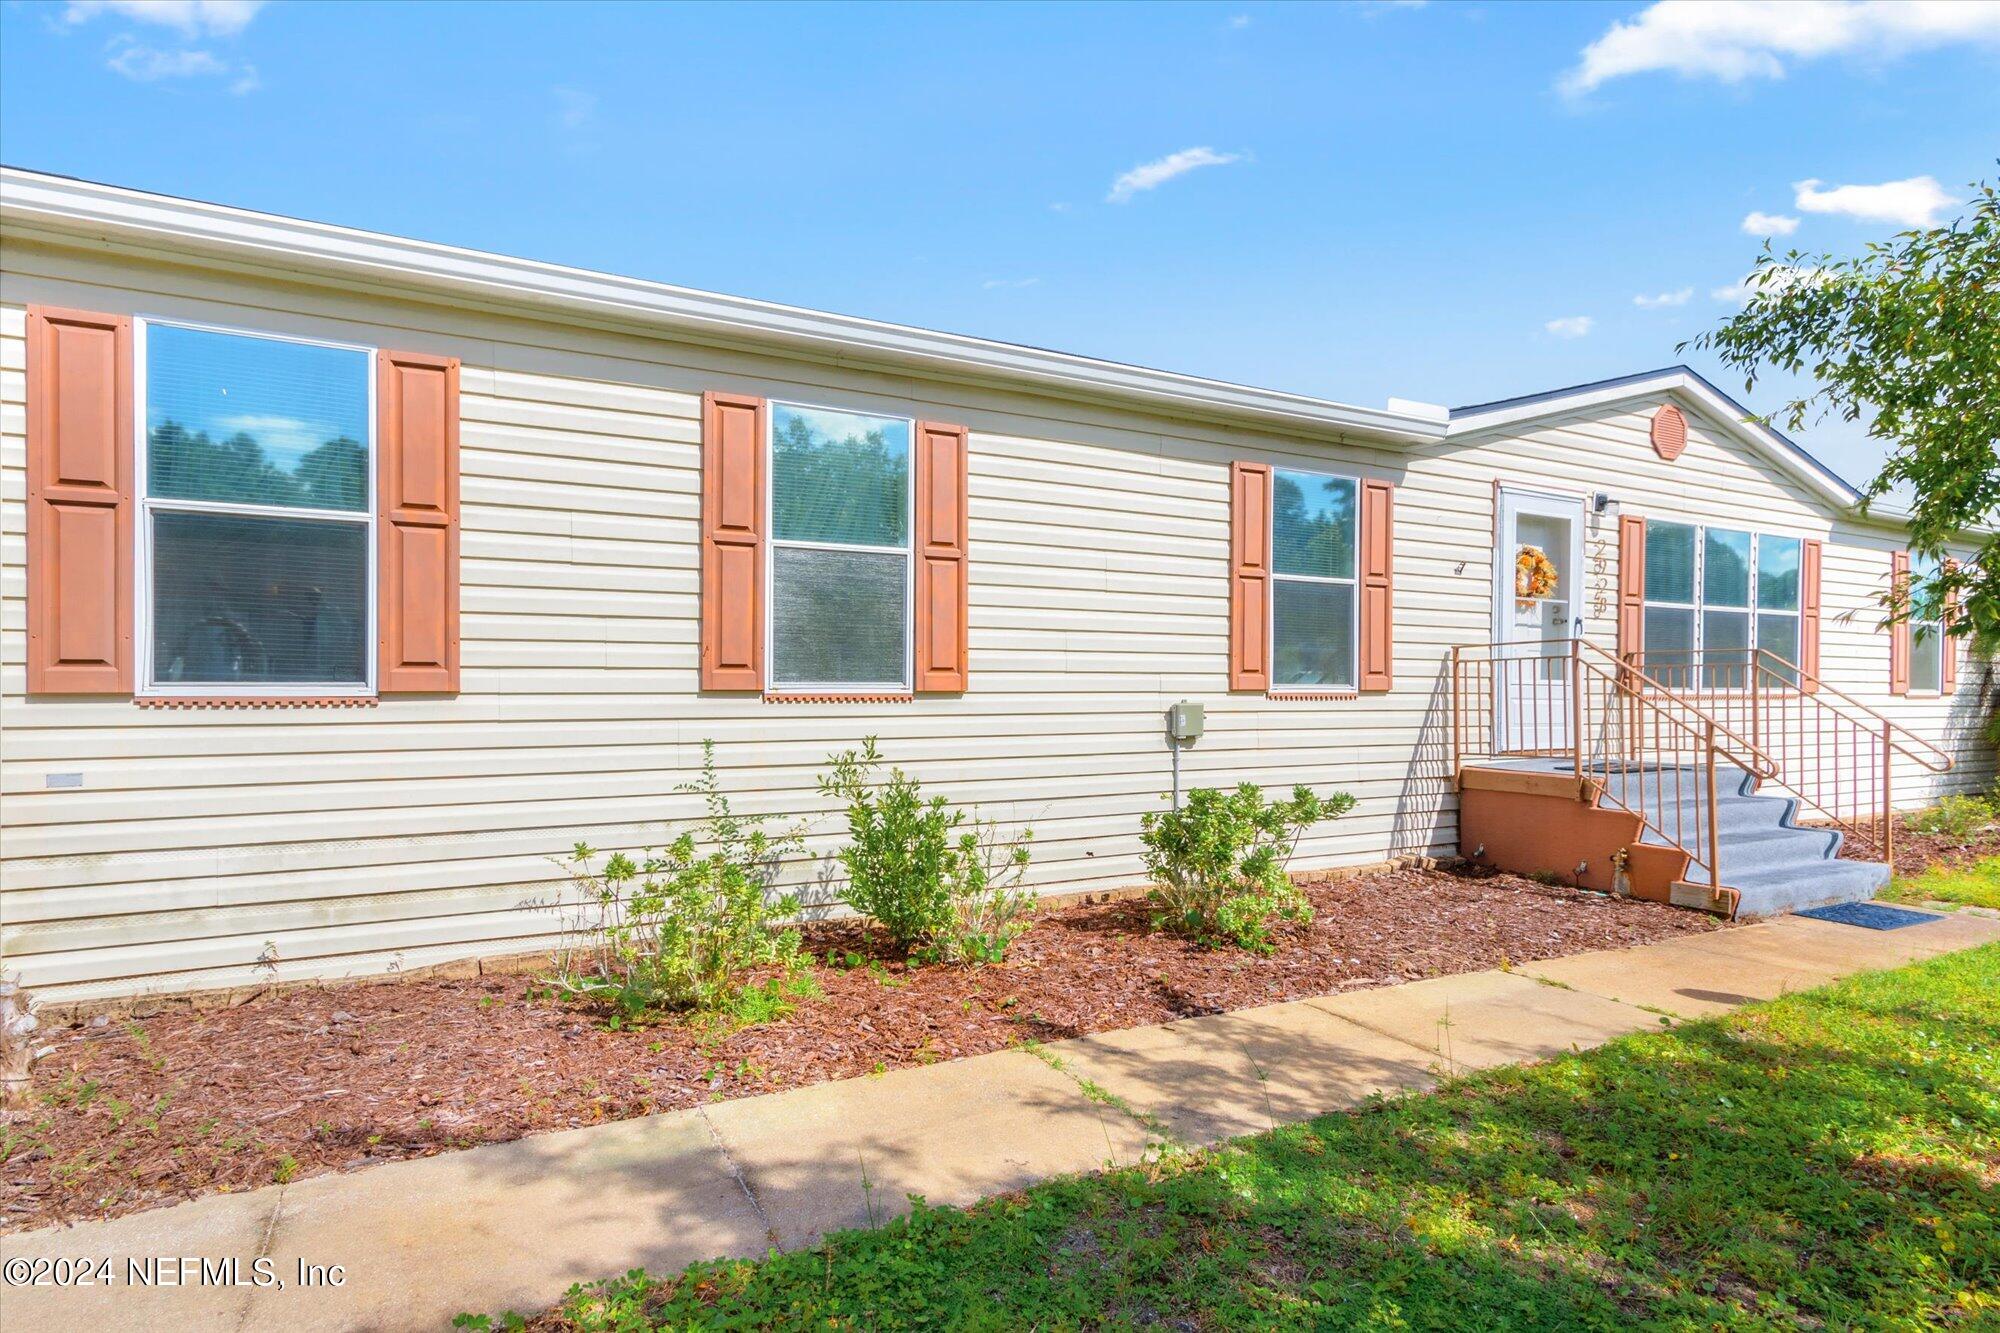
x: 1631, y: 675
x: 1836, y: 754
x: 1605, y: 719
x: 1942, y: 761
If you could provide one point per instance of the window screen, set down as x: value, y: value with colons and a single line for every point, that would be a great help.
x: 257, y: 511
x: 840, y: 532
x: 263, y: 600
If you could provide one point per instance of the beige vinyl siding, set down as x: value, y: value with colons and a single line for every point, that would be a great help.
x: 211, y: 848
x: 214, y: 848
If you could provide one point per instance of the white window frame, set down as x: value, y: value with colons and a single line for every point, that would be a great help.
x: 1755, y: 610
x: 772, y: 542
x: 1354, y: 582
x: 148, y: 505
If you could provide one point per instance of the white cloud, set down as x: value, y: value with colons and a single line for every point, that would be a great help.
x: 146, y: 64
x: 996, y: 284
x: 1152, y: 175
x: 1239, y: 21
x: 1737, y: 40
x: 289, y: 438
x: 192, y: 18
x: 1769, y: 224
x: 575, y: 108
x: 1774, y: 278
x: 1060, y: 206
x: 1916, y: 202
x: 1571, y: 326
x: 1681, y: 296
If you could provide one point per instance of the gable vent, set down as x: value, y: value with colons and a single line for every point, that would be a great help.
x: 1670, y: 432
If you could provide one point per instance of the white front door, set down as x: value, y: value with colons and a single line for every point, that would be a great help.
x: 1537, y: 610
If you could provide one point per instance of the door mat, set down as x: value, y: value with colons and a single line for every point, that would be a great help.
x: 1869, y: 916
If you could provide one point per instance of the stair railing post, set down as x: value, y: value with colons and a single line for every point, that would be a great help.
x: 1457, y: 732
x: 1576, y: 707
x: 1888, y: 805
x: 1756, y: 712
x: 1714, y: 812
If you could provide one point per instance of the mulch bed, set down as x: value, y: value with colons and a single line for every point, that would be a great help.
x: 301, y: 1082
x: 1918, y: 852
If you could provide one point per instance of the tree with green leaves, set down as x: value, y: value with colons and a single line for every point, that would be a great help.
x: 1908, y: 332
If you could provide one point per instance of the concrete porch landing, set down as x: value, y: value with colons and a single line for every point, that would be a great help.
x: 513, y: 1224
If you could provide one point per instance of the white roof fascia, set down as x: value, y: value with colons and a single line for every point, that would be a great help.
x: 34, y: 201
x: 1760, y: 438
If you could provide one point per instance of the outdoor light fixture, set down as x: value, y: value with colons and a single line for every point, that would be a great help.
x: 1600, y: 501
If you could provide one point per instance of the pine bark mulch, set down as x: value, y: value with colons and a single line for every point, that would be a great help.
x: 1917, y: 852
x: 293, y: 1083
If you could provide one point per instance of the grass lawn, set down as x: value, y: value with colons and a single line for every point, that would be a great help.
x: 1975, y: 885
x: 1828, y: 1160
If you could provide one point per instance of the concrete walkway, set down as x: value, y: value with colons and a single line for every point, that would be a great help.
x: 512, y: 1225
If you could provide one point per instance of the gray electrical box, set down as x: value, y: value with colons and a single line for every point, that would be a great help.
x: 1184, y: 721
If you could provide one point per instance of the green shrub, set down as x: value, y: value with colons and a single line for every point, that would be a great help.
x: 941, y: 888
x: 1954, y: 816
x: 678, y: 929
x: 989, y: 906
x: 1218, y: 862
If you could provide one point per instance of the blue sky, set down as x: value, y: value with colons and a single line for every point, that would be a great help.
x: 1448, y: 202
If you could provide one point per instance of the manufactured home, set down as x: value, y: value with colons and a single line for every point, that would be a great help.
x: 346, y: 581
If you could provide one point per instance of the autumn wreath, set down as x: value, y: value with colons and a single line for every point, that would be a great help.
x: 1534, y: 573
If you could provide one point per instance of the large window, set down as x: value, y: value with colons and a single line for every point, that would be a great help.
x: 1314, y: 536
x: 1716, y: 595
x: 1927, y: 641
x: 257, y: 527
x: 840, y: 550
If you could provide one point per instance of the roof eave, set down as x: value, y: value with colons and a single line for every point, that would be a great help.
x: 34, y: 201
x: 1691, y: 387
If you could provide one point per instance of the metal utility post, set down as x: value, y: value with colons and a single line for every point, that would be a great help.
x: 1185, y: 721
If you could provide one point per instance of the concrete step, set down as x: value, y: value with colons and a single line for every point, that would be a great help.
x: 1776, y: 890
x: 1773, y: 863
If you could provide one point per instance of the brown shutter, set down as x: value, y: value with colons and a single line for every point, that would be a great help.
x: 1809, y: 586
x: 1631, y: 586
x: 80, y: 503
x: 732, y: 542
x: 1249, y: 576
x: 1899, y: 631
x: 417, y: 594
x: 1378, y: 585
x: 1948, y: 643
x: 940, y: 629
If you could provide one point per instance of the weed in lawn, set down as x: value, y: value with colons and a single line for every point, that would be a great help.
x: 19, y: 1140
x: 1954, y: 816
x: 1975, y: 885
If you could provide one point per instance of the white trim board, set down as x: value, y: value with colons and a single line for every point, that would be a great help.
x: 1693, y: 390
x: 104, y: 214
